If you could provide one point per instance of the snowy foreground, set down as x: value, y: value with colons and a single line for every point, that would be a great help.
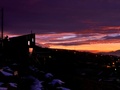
x: 13, y: 77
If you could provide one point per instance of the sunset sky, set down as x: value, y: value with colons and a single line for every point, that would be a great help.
x: 90, y: 25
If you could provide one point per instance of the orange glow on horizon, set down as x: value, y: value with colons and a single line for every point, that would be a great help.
x: 91, y: 47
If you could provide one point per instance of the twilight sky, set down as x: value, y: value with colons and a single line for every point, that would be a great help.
x: 92, y: 25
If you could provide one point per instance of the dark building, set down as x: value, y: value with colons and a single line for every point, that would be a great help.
x: 19, y: 47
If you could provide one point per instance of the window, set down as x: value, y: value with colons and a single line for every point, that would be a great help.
x: 30, y: 50
x: 28, y: 42
x: 32, y: 39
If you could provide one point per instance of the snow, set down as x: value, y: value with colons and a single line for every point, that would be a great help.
x: 56, y: 81
x: 13, y: 85
x: 7, y: 69
x: 6, y: 73
x: 36, y: 85
x: 1, y: 83
x: 48, y: 75
x: 3, y: 88
x: 62, y: 88
x: 33, y: 69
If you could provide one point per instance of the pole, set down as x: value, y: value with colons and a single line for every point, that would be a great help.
x: 2, y: 23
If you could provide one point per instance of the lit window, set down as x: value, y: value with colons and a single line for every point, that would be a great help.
x: 113, y: 63
x: 15, y: 73
x: 28, y: 42
x: 30, y: 50
x: 74, y: 52
x: 32, y: 39
x: 108, y: 66
x: 50, y: 57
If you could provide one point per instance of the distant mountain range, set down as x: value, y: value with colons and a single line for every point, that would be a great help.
x: 116, y: 53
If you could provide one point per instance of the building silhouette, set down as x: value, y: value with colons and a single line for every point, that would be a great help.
x: 19, y: 48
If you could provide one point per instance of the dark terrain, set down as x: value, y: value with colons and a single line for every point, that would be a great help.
x: 77, y: 70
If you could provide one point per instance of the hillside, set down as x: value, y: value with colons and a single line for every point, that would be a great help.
x: 115, y: 53
x: 79, y: 68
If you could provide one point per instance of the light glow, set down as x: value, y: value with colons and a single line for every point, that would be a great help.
x: 30, y: 50
x: 91, y: 47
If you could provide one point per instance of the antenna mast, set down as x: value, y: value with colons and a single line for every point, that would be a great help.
x: 2, y: 23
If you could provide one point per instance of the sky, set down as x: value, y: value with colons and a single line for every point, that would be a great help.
x: 87, y: 25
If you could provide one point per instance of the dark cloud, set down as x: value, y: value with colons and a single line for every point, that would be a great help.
x: 43, y: 16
